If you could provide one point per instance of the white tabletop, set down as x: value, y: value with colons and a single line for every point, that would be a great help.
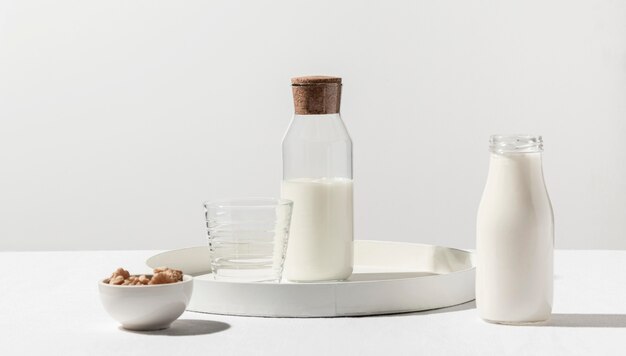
x: 49, y: 305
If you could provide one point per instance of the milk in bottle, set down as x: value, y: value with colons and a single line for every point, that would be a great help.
x: 515, y: 234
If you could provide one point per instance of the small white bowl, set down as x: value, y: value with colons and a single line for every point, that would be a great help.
x: 146, y: 307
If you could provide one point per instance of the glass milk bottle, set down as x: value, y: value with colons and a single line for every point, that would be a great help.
x: 317, y: 177
x: 515, y: 235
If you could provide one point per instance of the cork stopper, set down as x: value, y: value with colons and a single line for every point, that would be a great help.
x: 316, y: 95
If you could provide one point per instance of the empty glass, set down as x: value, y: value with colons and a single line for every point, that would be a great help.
x: 248, y: 238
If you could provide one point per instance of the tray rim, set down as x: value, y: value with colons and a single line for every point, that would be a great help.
x: 471, y: 255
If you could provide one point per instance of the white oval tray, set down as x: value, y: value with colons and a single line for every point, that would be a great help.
x: 389, y: 277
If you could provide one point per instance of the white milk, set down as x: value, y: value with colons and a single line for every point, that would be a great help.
x: 320, y: 240
x: 515, y: 236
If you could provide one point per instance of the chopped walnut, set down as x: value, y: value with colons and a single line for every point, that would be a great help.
x: 121, y: 272
x: 118, y: 277
x: 143, y: 279
x: 116, y: 280
x: 162, y: 275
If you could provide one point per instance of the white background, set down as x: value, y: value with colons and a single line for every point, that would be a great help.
x: 118, y: 118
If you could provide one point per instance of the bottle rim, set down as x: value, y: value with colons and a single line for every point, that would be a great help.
x: 504, y: 144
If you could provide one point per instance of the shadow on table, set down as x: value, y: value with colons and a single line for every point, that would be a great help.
x: 187, y: 327
x: 586, y: 321
x: 557, y: 320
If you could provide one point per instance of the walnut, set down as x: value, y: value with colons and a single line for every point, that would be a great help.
x: 162, y: 275
x: 134, y: 280
x: 116, y: 280
x: 121, y: 272
x: 143, y: 279
x: 159, y: 278
x: 118, y: 276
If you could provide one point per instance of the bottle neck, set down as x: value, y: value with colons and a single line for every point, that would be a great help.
x: 516, y: 158
x: 317, y: 146
x: 515, y: 172
x: 515, y: 144
x: 528, y: 159
x: 335, y: 116
x: 515, y: 169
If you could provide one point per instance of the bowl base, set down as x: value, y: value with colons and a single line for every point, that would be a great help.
x: 146, y: 327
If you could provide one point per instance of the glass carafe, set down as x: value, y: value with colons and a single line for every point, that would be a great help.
x: 317, y: 177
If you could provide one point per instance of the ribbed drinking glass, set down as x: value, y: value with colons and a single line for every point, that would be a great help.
x: 248, y: 238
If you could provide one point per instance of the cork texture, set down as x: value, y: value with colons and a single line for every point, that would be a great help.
x: 315, y: 79
x: 316, y: 95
